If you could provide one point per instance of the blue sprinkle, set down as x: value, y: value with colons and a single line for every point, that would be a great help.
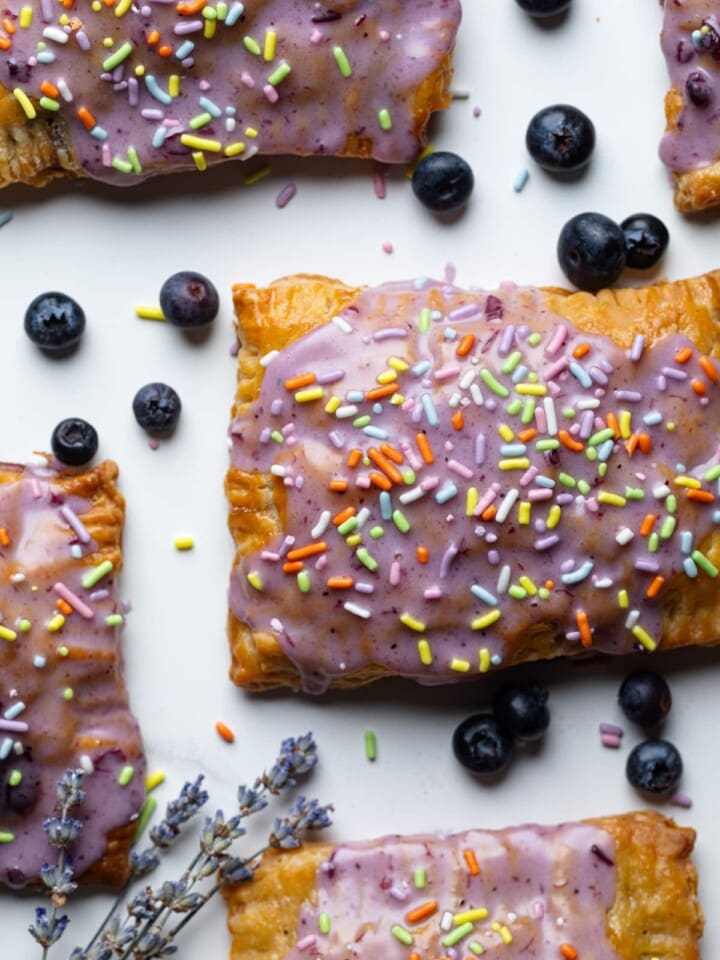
x: 234, y: 14
x: 446, y: 493
x: 377, y: 409
x: 376, y: 432
x: 436, y: 315
x: 430, y: 411
x: 519, y: 373
x: 355, y: 396
x: 100, y: 133
x: 46, y: 56
x: 578, y: 575
x: 580, y: 374
x: 545, y: 482
x: 159, y: 137
x: 686, y: 540
x: 482, y: 594
x: 450, y: 333
x: 385, y: 505
x: 513, y: 449
x: 689, y: 567
x: 156, y: 90
x: 521, y: 179
x: 605, y: 449
x: 716, y: 516
x: 230, y: 111
x: 184, y: 50
x: 39, y: 661
x: 653, y: 418
x: 421, y: 368
x: 212, y: 108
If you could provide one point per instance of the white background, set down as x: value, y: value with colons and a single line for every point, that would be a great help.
x: 112, y: 249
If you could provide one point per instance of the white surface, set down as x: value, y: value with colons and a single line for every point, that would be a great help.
x: 113, y: 249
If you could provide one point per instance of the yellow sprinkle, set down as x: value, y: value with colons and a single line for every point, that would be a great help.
x: 332, y: 404
x: 514, y: 463
x: 424, y: 652
x: 531, y: 389
x: 398, y: 364
x: 184, y: 543
x: 24, y: 101
x: 471, y: 501
x: 255, y: 580
x: 397, y: 399
x: 412, y: 623
x: 486, y: 620
x: 470, y: 916
x: 97, y: 6
x: 6, y: 633
x: 461, y: 666
x: 644, y: 637
x: 554, y: 517
x: 387, y: 376
x: 484, y: 660
x: 611, y: 499
x: 26, y: 15
x: 200, y: 143
x: 505, y: 935
x: 174, y: 85
x: 506, y: 433
x: 623, y: 599
x: 68, y: 693
x: 64, y: 20
x: 524, y: 512
x: 235, y: 149
x: 527, y: 584
x: 56, y: 623
x: 670, y: 425
x: 140, y: 70
x: 149, y: 313
x: 311, y: 393
x: 200, y: 161
x: 251, y: 132
x: 690, y: 482
x: 209, y: 30
x: 625, y: 424
x: 153, y: 780
x: 270, y: 44
x: 354, y: 539
x: 107, y: 42
x: 122, y: 8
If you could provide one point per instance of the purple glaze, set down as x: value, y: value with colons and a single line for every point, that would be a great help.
x: 61, y: 734
x: 691, y: 44
x: 392, y: 46
x: 546, y: 886
x: 327, y: 632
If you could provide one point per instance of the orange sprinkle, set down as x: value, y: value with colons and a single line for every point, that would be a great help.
x: 8, y: 26
x: 612, y: 422
x: 465, y: 345
x: 581, y: 350
x: 489, y: 512
x: 165, y: 50
x: 647, y: 525
x: 384, y: 390
x: 584, y: 628
x: 188, y: 9
x: 343, y: 515
x: 414, y: 956
x: 388, y: 468
x: 391, y: 453
x: 225, y: 732
x: 458, y: 421
x: 354, y: 458
x: 654, y: 589
x: 4, y: 538
x: 302, y: 380
x: 380, y: 480
x: 338, y: 486
x: 109, y: 3
x: 309, y: 550
x: 153, y: 37
x: 567, y: 441
x: 525, y: 436
x: 701, y: 496
x: 708, y: 368
x: 422, y: 912
x: 340, y: 583
x: 49, y: 89
x: 86, y: 118
x: 423, y: 554
x: 698, y: 388
x: 644, y: 442
x: 64, y: 607
x: 471, y: 861
x: 631, y: 444
x: 295, y: 567
x: 682, y: 356
x: 424, y: 447
x: 549, y: 584
x: 568, y: 951
x: 5, y: 44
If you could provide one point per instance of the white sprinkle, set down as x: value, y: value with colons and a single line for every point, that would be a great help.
x: 358, y: 611
x: 504, y: 579
x: 342, y: 324
x: 521, y: 179
x: 268, y: 358
x: 624, y: 536
x: 506, y: 505
x: 550, y: 416
x: 321, y: 526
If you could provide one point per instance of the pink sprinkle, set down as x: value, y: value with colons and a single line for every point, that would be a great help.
x: 529, y: 476
x: 234, y: 349
x: 540, y: 420
x: 394, y: 573
x: 271, y: 93
x: 75, y: 602
x: 447, y: 373
x: 306, y: 943
x: 542, y: 493
x: 557, y: 340
x: 246, y: 80
x: 555, y: 369
x: 412, y: 458
x: 429, y: 483
x: 538, y: 909
x: 460, y: 469
x: 611, y: 728
x: 363, y: 482
x: 106, y: 155
x: 433, y: 593
x: 73, y: 521
x: 204, y: 85
x: 316, y: 36
x: 681, y: 800
x: 450, y: 273
x: 591, y: 504
x: 321, y: 562
x: 608, y: 740
x: 398, y: 893
x: 285, y: 195
x: 380, y: 182
x: 387, y: 247
x: 14, y: 726
x: 384, y: 36
x: 476, y: 112
x: 153, y: 443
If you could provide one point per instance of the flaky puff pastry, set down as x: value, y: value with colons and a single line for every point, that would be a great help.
x: 60, y: 553
x: 643, y: 860
x: 271, y: 318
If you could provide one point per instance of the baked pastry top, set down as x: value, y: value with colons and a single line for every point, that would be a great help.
x: 691, y: 145
x: 120, y: 91
x: 614, y: 888
x: 430, y: 482
x: 63, y: 703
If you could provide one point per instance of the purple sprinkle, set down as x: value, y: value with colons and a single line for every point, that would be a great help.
x: 493, y: 558
x: 648, y: 566
x: 398, y: 893
x: 608, y: 740
x: 506, y: 341
x: 564, y: 498
x: 332, y: 376
x: 190, y: 26
x: 660, y: 382
x: 480, y: 448
x: 265, y: 435
x: 611, y: 728
x: 637, y: 348
x: 275, y: 408
x: 285, y: 195
x: 73, y: 521
x: 337, y: 438
x: 97, y: 595
x: 388, y: 333
x: 447, y: 559
x: 234, y: 349
x: 629, y: 396
x: 672, y: 373
x: 546, y: 542
x: 598, y: 376
x: 681, y: 800
x: 470, y: 310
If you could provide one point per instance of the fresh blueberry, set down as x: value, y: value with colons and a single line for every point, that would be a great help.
x: 443, y: 181
x: 54, y: 321
x: 699, y: 89
x: 23, y: 796
x: 560, y: 138
x: 654, y: 766
x: 646, y: 240
x: 645, y: 698
x: 521, y: 710
x: 481, y: 745
x: 74, y: 441
x: 157, y: 409
x: 543, y: 8
x: 189, y: 300
x: 591, y: 251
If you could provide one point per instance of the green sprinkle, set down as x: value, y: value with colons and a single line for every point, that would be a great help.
x: 409, y: 477
x: 706, y: 565
x: 342, y: 61
x: 114, y: 620
x: 363, y: 421
x: 474, y: 947
x: 303, y: 581
x: 126, y: 774
x: 377, y: 532
x: 134, y: 160
x: 366, y: 559
x: 634, y: 493
x: 602, y: 469
x: 124, y: 166
x: 24, y: 625
x: 534, y: 339
x: 277, y: 436
x: 713, y: 473
x: 456, y: 935
x: 566, y: 480
x: 533, y: 377
x: 653, y: 543
x: 489, y: 380
x: 512, y: 361
x: 400, y: 521
x: 115, y: 59
x: 370, y: 745
x: 569, y: 412
x: 514, y: 407
x: 200, y: 120
x: 6, y: 837
x: 584, y: 487
x: 68, y: 693
x: 146, y: 812
x: 517, y: 592
x: 324, y: 923
x: 278, y: 75
x: 222, y: 10
x: 601, y: 436
x: 528, y: 411
x: 15, y: 778
x: 668, y: 527
x: 96, y: 574
x: 403, y: 935
x: 348, y: 526
x: 210, y: 13
x: 252, y: 46
x: 543, y: 593
x: 591, y: 453
x: 548, y: 444
x: 424, y: 320
x: 419, y: 878
x: 384, y: 119
x: 257, y: 175
x: 47, y: 103
x: 671, y: 503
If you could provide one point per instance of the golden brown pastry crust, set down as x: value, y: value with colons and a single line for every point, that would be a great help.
x: 695, y: 190
x: 270, y: 318
x: 655, y: 912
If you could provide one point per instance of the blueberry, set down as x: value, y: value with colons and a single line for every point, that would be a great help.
x: 74, y: 441
x: 591, y: 251
x: 521, y: 710
x: 443, y: 181
x: 481, y: 745
x: 189, y: 300
x: 22, y: 797
x: 646, y: 240
x: 54, y: 321
x: 645, y: 698
x: 654, y: 766
x: 157, y: 409
x: 543, y: 8
x: 699, y: 89
x: 560, y: 138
